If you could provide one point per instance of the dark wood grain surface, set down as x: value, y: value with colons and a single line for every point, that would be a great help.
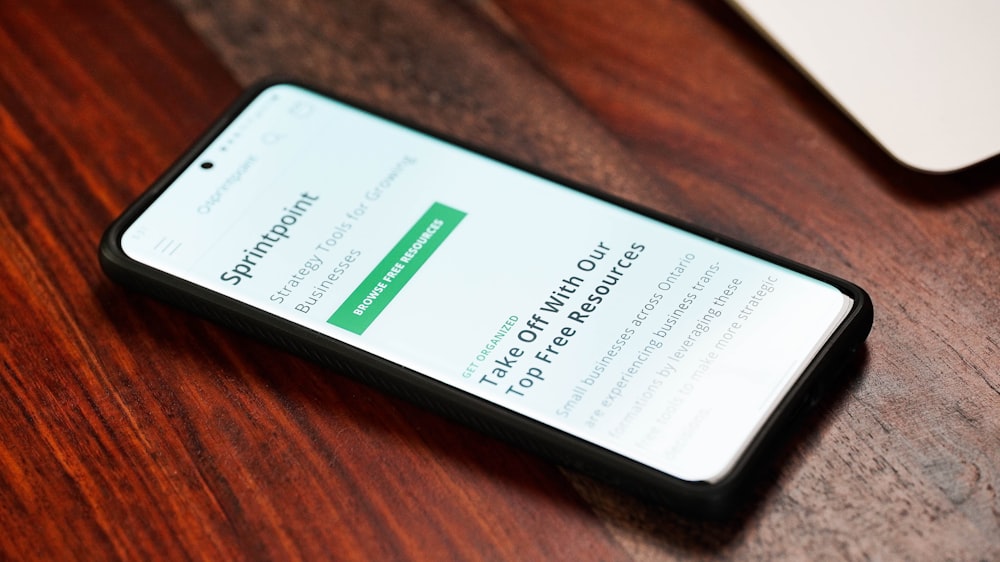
x: 132, y: 430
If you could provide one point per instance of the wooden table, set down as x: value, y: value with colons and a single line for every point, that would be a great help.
x: 133, y: 430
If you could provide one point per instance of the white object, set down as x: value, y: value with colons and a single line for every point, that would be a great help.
x: 922, y: 77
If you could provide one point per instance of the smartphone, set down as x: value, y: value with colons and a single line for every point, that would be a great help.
x: 644, y: 351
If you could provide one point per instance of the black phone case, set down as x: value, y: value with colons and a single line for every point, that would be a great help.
x: 698, y: 498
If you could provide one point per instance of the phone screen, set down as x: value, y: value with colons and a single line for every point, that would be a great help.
x: 632, y: 334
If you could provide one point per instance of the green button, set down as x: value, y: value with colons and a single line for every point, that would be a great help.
x: 396, y: 269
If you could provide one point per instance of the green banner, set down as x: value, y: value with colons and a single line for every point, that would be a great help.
x: 391, y: 274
